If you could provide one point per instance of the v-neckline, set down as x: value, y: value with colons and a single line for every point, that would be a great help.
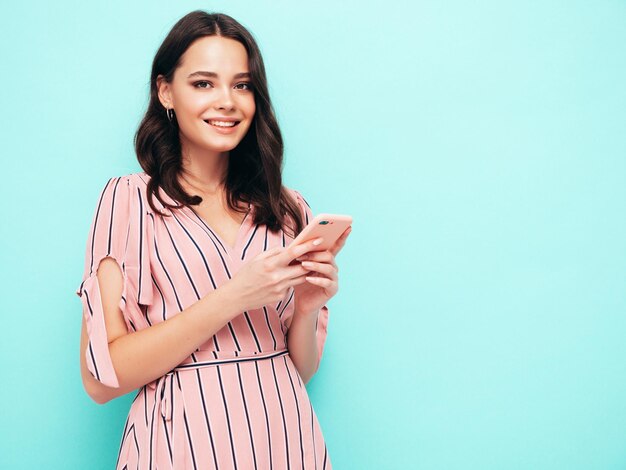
x: 230, y: 250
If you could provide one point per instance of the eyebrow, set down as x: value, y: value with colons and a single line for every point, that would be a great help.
x: 203, y: 73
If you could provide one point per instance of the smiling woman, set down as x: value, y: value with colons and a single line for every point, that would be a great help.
x: 193, y: 101
x: 190, y: 291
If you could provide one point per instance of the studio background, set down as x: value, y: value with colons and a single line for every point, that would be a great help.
x: 480, y: 147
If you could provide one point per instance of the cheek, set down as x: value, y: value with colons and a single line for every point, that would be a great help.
x: 195, y: 105
x: 243, y: 100
x: 250, y: 107
x: 190, y: 101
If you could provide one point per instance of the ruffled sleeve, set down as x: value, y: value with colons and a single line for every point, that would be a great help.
x: 321, y: 325
x: 119, y: 230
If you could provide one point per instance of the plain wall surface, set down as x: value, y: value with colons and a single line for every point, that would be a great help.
x: 480, y: 147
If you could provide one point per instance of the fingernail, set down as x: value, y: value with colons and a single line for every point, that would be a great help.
x: 318, y: 241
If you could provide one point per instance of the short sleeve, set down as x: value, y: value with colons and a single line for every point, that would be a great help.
x: 118, y: 230
x: 321, y: 325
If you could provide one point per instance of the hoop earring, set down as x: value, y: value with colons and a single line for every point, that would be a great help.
x: 170, y: 114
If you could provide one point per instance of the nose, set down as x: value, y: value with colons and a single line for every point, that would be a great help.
x: 224, y: 99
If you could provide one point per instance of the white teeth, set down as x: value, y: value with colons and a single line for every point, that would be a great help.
x: 221, y: 123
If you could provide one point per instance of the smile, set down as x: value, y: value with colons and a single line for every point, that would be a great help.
x: 223, y: 123
x: 223, y: 127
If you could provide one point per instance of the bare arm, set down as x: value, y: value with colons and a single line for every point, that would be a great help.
x: 302, y: 344
x: 143, y: 356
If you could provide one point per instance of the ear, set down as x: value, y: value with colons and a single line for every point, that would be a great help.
x: 164, y: 92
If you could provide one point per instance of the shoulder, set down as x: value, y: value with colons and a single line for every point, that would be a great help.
x: 131, y: 187
x: 296, y: 195
x: 139, y: 179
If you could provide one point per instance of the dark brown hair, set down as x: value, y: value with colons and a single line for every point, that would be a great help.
x: 254, y: 165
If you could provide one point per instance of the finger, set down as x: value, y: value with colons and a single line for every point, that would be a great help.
x: 319, y: 281
x: 295, y: 281
x: 323, y: 268
x: 295, y: 251
x: 320, y: 256
x: 325, y: 255
x: 296, y: 270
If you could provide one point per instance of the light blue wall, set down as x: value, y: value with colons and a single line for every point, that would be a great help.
x: 479, y: 146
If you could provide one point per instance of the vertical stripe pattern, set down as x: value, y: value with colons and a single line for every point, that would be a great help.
x: 237, y: 402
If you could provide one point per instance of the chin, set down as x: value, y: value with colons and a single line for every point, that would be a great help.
x: 221, y: 148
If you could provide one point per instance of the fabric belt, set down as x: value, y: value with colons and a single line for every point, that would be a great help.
x: 164, y: 385
x: 211, y: 362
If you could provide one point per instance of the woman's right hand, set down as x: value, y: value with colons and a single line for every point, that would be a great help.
x: 266, y: 278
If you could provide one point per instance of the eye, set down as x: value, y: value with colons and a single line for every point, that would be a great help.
x: 247, y: 84
x: 202, y: 81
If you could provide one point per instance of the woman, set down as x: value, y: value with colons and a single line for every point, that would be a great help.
x: 190, y: 292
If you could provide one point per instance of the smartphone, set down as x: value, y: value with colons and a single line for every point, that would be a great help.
x: 328, y: 226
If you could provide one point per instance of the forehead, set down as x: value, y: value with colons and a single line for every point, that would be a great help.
x: 215, y: 53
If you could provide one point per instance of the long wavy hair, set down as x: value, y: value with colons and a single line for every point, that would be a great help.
x: 255, y: 164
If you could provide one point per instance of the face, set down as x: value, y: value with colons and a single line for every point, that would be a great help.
x: 199, y: 97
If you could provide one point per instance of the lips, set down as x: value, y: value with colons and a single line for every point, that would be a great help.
x: 223, y: 127
x: 223, y: 130
x: 208, y: 121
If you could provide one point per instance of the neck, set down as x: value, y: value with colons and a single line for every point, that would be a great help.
x: 205, y: 172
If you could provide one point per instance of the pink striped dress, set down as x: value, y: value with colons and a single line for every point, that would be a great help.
x: 237, y: 402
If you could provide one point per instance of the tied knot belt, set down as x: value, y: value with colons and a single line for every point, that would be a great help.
x: 164, y: 386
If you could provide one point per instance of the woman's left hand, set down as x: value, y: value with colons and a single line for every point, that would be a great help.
x: 322, y: 283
